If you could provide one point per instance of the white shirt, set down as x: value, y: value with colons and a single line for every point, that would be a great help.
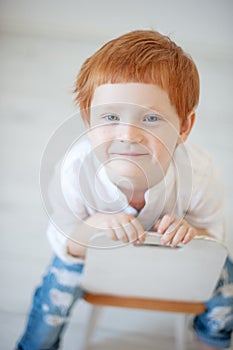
x: 191, y: 189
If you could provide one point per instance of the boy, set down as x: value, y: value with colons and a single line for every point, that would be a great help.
x: 131, y: 173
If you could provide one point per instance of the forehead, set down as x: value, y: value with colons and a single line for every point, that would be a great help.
x: 146, y: 95
x: 138, y: 93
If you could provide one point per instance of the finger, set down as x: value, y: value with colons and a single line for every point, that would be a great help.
x: 121, y: 234
x: 179, y: 235
x: 119, y: 231
x: 169, y: 233
x: 156, y: 226
x: 131, y: 232
x: 165, y: 222
x: 189, y: 235
x: 141, y: 234
x: 111, y: 234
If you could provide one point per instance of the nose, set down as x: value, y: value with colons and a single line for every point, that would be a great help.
x: 130, y: 133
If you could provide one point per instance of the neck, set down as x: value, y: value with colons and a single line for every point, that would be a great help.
x: 136, y: 198
x: 138, y: 205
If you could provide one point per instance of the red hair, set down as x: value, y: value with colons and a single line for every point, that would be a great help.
x: 142, y: 56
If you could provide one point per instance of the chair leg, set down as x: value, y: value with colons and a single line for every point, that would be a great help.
x: 181, y: 331
x: 92, y: 322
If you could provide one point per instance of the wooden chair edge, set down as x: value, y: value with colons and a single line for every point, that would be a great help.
x: 145, y: 303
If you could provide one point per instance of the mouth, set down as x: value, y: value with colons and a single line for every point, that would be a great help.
x: 128, y: 154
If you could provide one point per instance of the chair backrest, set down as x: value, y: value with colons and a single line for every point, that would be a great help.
x: 186, y: 273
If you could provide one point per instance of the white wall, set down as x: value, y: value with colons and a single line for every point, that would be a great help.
x: 204, y: 24
x: 43, y: 44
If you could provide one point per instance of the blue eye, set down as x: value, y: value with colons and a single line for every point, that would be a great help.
x: 151, y: 118
x: 112, y: 118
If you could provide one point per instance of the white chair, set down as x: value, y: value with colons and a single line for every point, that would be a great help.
x: 153, y: 277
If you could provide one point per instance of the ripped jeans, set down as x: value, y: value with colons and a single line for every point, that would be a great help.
x: 52, y: 304
x: 60, y: 289
x: 214, y: 327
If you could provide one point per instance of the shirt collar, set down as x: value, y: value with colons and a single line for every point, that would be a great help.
x: 153, y: 194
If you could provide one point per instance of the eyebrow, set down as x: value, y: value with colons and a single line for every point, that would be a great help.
x: 112, y: 104
x: 106, y: 107
x: 152, y: 108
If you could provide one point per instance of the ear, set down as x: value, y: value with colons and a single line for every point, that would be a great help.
x: 186, y: 127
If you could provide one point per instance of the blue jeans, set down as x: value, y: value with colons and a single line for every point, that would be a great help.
x: 214, y: 326
x: 60, y: 289
x: 51, y: 307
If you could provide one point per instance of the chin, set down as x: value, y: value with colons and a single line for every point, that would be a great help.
x: 127, y: 176
x: 127, y: 168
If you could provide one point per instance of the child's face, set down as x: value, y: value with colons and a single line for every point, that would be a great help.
x: 134, y: 131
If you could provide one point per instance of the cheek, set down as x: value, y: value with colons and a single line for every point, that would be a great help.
x: 100, y: 141
x: 163, y: 146
x: 99, y: 136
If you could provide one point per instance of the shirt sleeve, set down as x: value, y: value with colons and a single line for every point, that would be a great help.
x: 66, y: 211
x: 206, y: 208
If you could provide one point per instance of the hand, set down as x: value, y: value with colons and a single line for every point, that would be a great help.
x: 120, y: 226
x: 174, y: 230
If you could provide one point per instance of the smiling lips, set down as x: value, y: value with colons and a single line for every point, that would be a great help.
x: 129, y: 154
